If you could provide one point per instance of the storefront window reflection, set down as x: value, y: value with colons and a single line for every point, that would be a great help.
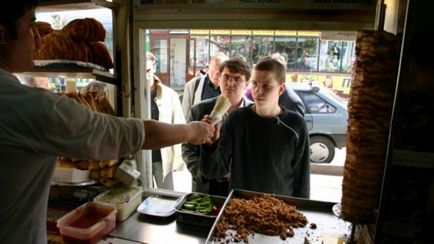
x: 310, y: 56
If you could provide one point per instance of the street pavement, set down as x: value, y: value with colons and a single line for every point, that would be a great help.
x: 326, y: 182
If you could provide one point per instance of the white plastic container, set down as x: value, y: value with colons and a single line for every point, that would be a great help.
x: 124, y: 199
x: 88, y: 223
x: 127, y: 172
x: 70, y: 175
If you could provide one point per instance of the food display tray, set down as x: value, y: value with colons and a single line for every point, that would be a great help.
x: 328, y: 225
x: 158, y: 205
x: 195, y: 218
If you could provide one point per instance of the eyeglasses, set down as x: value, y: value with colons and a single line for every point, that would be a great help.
x: 236, y: 79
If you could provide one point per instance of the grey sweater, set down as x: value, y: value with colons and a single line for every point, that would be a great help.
x: 269, y: 155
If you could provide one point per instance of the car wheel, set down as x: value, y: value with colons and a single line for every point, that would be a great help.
x: 322, y: 149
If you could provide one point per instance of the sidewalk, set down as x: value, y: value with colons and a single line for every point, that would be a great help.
x: 326, y: 187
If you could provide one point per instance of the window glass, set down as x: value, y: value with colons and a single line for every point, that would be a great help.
x: 159, y: 49
x: 348, y: 56
x: 202, y: 45
x: 240, y: 47
x: 315, y: 104
x: 309, y: 58
x: 307, y: 54
x: 337, y: 56
x: 219, y: 43
x: 327, y: 61
x: 265, y: 46
x: 286, y: 47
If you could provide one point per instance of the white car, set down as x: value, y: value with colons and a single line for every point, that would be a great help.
x: 326, y: 117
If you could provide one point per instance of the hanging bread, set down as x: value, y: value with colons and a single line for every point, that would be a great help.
x: 100, y: 54
x: 56, y: 45
x: 88, y: 30
x: 44, y: 28
x: 80, y: 40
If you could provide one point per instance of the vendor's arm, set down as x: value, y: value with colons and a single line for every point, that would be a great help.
x: 159, y: 134
x: 72, y: 130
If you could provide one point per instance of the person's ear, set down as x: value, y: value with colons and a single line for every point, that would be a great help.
x: 281, y: 88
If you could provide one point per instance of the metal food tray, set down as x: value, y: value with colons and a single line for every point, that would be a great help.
x: 328, y: 225
x: 66, y: 63
x: 158, y: 205
x: 197, y: 218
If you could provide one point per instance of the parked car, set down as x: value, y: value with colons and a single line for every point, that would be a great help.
x: 326, y: 117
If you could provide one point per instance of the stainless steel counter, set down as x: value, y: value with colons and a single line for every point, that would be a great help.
x: 141, y: 228
x: 148, y: 229
x: 151, y: 229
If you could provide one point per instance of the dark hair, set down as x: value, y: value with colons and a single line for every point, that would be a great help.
x: 236, y: 65
x: 273, y: 65
x: 15, y: 10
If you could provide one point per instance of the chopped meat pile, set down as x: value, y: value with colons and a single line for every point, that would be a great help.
x: 262, y: 214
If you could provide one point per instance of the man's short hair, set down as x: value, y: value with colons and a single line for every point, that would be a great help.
x: 219, y: 57
x: 236, y: 65
x: 15, y: 10
x: 273, y: 65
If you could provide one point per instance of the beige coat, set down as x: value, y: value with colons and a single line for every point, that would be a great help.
x: 170, y: 111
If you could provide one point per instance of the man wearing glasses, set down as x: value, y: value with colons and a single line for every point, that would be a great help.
x: 234, y: 77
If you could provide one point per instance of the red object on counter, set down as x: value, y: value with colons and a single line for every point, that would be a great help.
x: 88, y: 223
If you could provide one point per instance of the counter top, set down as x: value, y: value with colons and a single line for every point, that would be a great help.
x: 148, y: 229
x: 141, y: 228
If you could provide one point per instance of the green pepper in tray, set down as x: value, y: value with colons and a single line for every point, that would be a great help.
x: 197, y: 203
